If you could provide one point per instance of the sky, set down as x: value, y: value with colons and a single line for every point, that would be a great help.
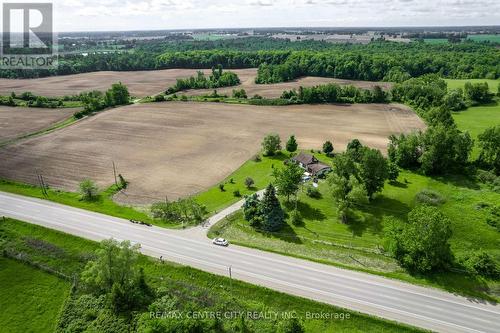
x: 99, y: 15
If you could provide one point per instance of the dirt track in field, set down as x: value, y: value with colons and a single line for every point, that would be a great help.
x: 18, y: 121
x: 178, y: 149
x: 145, y: 83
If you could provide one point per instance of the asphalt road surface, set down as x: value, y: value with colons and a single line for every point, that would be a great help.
x: 424, y: 307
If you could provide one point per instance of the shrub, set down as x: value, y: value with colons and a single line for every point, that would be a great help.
x: 221, y: 187
x: 429, y: 197
x: 290, y: 326
x: 122, y: 181
x: 257, y: 158
x: 159, y: 98
x: 88, y: 189
x: 313, y: 192
x: 249, y: 182
x: 237, y: 193
x: 185, y: 211
x: 482, y: 264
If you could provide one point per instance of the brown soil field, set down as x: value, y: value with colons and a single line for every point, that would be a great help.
x: 178, y: 149
x: 145, y: 83
x: 18, y: 121
x: 247, y: 78
x: 140, y: 83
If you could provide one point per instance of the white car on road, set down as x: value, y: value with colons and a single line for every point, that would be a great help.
x: 220, y: 242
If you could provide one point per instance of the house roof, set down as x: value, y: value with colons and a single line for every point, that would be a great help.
x: 317, y: 167
x: 305, y: 159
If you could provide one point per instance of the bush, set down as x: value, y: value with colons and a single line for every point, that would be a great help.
x: 88, y: 190
x: 313, y: 192
x: 185, y: 211
x: 482, y: 264
x: 237, y: 193
x: 221, y: 187
x: 429, y: 197
x: 249, y: 182
x: 159, y: 98
x: 290, y: 326
x: 494, y: 218
x: 257, y: 158
x: 122, y: 182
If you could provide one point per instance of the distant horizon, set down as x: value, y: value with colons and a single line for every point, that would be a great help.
x: 287, y: 27
x: 148, y: 15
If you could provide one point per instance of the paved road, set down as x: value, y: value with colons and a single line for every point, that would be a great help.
x: 427, y: 308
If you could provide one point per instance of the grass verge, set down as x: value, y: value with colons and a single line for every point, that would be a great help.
x: 102, y: 204
x: 359, y: 244
x: 193, y: 289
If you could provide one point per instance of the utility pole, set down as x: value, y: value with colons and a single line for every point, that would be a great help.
x: 114, y: 172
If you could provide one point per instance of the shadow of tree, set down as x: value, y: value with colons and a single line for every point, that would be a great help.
x: 398, y: 184
x: 456, y: 283
x: 286, y: 234
x: 308, y: 212
x: 370, y: 216
x: 458, y: 181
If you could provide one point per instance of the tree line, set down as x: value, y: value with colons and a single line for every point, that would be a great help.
x: 378, y: 61
x: 217, y: 79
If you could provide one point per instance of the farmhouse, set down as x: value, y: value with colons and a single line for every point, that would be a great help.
x: 311, y: 164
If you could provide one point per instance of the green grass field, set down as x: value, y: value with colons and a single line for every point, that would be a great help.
x: 455, y: 84
x: 261, y: 172
x: 436, y: 41
x: 103, y: 204
x: 30, y: 299
x: 484, y: 38
x: 68, y: 254
x: 359, y: 244
x: 477, y: 119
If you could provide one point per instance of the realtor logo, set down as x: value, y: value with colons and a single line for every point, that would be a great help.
x: 28, y: 40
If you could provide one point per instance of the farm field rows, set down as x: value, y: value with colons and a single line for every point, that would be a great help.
x: 18, y: 121
x: 139, y: 83
x: 178, y: 149
x: 145, y: 83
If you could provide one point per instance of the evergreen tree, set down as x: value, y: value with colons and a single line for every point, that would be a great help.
x: 272, y: 213
x: 291, y: 144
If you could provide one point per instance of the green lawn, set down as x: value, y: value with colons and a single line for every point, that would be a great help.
x: 483, y: 38
x: 436, y: 41
x: 193, y: 288
x: 455, y: 84
x: 478, y: 118
x: 261, y: 172
x: 30, y: 299
x: 103, y: 204
x: 359, y: 244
